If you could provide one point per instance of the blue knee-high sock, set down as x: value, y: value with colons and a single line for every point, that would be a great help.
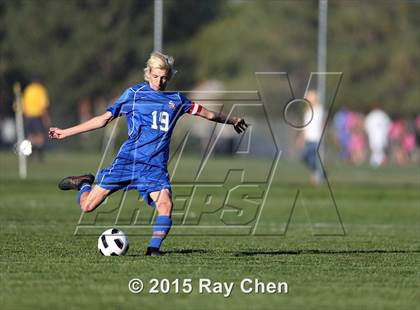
x: 86, y: 187
x: 161, y: 228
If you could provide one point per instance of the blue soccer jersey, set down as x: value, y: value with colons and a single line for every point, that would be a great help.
x: 141, y: 162
x: 151, y: 117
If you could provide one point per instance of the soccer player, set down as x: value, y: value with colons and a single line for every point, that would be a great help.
x: 377, y: 125
x: 311, y: 135
x: 37, y: 118
x: 141, y: 162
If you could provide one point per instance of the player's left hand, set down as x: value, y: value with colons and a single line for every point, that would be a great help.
x: 239, y: 124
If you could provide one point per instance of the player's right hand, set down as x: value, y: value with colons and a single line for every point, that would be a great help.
x: 56, y: 133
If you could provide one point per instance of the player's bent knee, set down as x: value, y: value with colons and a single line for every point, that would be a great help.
x: 84, y: 208
x: 87, y: 207
x: 164, y: 208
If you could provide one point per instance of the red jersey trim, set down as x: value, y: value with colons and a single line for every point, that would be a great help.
x: 195, y: 108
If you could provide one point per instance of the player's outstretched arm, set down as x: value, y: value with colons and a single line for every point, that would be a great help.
x: 238, y: 123
x: 92, y: 124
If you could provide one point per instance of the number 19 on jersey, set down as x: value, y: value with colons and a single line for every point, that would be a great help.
x: 163, y: 120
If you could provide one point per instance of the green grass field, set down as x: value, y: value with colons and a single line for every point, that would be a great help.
x: 375, y: 265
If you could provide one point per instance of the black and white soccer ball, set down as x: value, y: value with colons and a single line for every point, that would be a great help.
x: 113, y: 242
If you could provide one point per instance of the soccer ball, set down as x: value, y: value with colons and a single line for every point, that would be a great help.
x: 113, y: 242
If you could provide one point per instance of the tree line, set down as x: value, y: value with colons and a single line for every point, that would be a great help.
x: 97, y: 48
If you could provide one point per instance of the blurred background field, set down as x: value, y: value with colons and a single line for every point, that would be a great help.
x: 86, y: 52
x: 59, y: 164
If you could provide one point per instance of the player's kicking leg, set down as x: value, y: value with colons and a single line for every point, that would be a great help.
x: 89, y: 199
x: 163, y: 221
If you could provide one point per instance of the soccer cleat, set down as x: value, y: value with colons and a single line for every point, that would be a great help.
x: 153, y: 252
x: 75, y: 182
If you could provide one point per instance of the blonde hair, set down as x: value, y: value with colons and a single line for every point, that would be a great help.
x: 160, y: 61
